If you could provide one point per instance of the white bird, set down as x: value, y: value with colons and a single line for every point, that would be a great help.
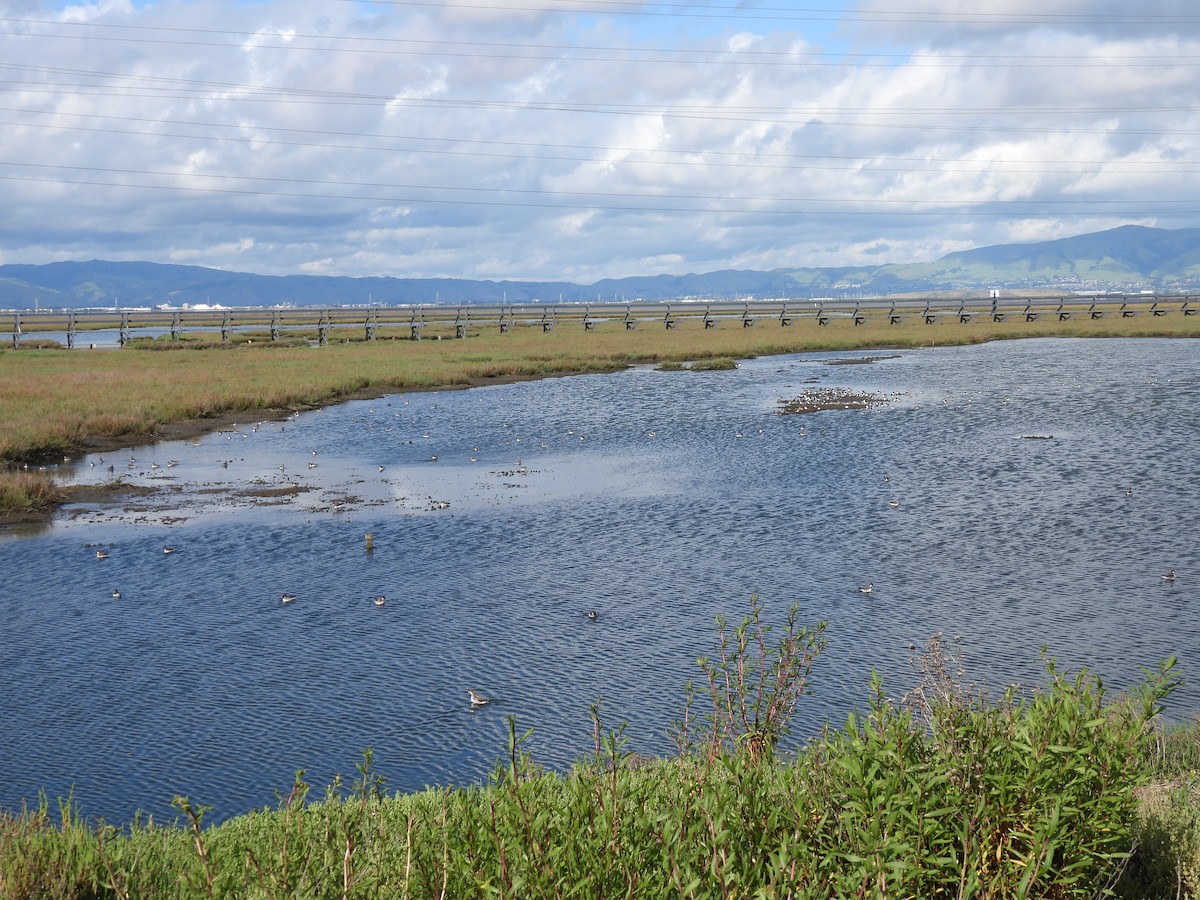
x: 380, y: 600
x: 478, y: 699
x: 894, y: 504
x: 288, y: 598
x: 867, y: 588
x: 1170, y: 576
x: 592, y: 615
x: 101, y: 554
x: 168, y: 549
x: 116, y: 594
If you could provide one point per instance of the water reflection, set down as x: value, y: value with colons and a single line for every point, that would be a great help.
x: 658, y: 499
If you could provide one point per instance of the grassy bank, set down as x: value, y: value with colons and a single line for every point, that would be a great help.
x: 1062, y: 792
x: 58, y: 403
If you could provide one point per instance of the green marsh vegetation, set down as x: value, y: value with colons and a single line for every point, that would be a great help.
x: 945, y: 792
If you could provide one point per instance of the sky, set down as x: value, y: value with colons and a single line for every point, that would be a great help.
x: 584, y: 139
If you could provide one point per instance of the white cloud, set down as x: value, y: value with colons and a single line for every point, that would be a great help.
x: 476, y: 140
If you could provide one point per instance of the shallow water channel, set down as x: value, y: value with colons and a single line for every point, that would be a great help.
x: 1016, y: 494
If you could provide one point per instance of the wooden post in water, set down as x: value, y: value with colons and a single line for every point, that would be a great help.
x: 123, y: 337
x: 16, y: 332
x: 274, y: 324
x: 71, y: 330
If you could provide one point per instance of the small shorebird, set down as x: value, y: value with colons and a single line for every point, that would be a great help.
x: 478, y: 699
x: 1170, y: 576
x: 288, y: 598
x: 116, y: 594
x: 592, y: 615
x: 101, y: 554
x: 380, y: 600
x: 867, y: 588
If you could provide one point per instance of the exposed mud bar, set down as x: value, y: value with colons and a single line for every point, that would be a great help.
x: 819, y: 399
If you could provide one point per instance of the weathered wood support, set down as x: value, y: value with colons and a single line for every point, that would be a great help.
x: 71, y: 330
x: 747, y: 319
x: 822, y: 319
x: 226, y: 321
x: 963, y: 315
x: 1127, y: 313
x: 1030, y: 314
x: 16, y: 332
x: 371, y: 324
x: 588, y: 323
x: 323, y: 328
x: 176, y: 328
x: 1155, y: 311
x: 275, y: 317
x: 1187, y: 309
x: 893, y: 317
x: 859, y: 318
x: 462, y: 322
x: 930, y: 315
x: 668, y: 321
x: 784, y: 319
x: 1063, y: 314
x: 630, y: 321
x: 709, y: 321
x: 123, y: 335
x: 1095, y: 313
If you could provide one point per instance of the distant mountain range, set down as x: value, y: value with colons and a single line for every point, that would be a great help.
x: 1130, y: 258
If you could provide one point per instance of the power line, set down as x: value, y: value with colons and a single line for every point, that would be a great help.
x: 530, y: 192
x: 738, y: 159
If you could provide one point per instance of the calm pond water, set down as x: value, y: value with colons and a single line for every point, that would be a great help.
x: 660, y: 500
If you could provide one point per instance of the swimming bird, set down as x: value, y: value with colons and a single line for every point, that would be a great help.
x: 168, y: 549
x: 867, y: 588
x: 1129, y: 492
x: 1170, y: 576
x: 894, y: 504
x: 101, y: 554
x: 116, y: 594
x: 288, y: 598
x: 478, y: 699
x: 380, y: 600
x: 592, y: 615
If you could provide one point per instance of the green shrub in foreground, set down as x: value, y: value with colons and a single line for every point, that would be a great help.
x: 943, y: 793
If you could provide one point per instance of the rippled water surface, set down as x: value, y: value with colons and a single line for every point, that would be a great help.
x: 660, y: 500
